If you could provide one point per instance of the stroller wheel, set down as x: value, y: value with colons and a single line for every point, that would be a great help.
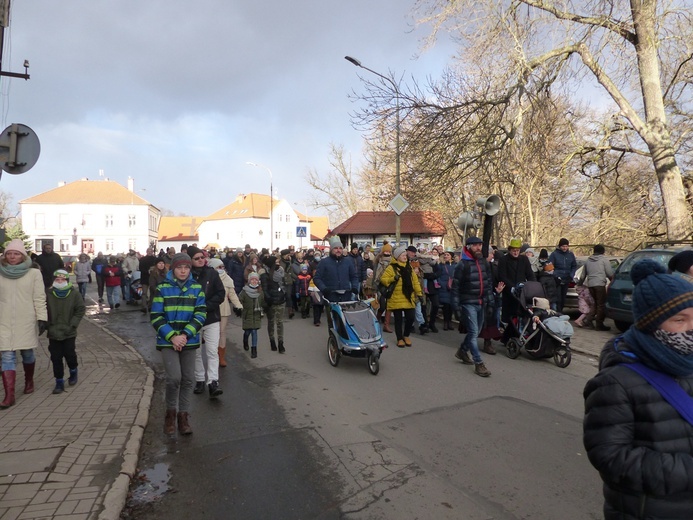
x: 374, y: 363
x: 562, y: 356
x: 333, y: 351
x: 512, y: 348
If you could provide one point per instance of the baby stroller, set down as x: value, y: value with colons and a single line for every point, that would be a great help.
x: 354, y: 332
x: 543, y: 333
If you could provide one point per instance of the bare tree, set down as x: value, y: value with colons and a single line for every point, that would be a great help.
x: 513, y: 51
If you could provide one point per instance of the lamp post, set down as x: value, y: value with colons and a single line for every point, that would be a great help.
x: 271, y: 202
x: 356, y: 62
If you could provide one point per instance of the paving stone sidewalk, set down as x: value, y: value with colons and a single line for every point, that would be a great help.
x: 71, y: 456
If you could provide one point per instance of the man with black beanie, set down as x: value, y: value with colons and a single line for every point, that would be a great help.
x: 215, y: 293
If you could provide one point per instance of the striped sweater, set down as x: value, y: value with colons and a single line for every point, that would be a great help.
x: 178, y: 310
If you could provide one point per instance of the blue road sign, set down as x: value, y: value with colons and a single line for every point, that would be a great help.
x: 301, y: 231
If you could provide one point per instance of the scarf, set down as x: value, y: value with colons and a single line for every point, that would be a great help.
x: 656, y: 355
x: 405, y: 273
x: 62, y: 293
x: 13, y: 272
x: 278, y: 275
x: 253, y: 292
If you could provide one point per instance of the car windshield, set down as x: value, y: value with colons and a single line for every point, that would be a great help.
x: 661, y: 257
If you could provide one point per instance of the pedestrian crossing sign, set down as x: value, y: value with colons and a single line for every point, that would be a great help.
x: 301, y: 231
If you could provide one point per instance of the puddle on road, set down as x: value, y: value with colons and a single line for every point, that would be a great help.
x: 152, y: 484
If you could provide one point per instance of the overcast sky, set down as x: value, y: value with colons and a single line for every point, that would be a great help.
x: 179, y: 95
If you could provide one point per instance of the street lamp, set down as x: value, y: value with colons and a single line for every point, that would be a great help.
x: 397, y: 183
x: 271, y: 202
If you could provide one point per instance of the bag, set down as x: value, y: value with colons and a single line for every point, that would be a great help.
x: 386, y: 291
x: 99, y: 268
x: 668, y: 388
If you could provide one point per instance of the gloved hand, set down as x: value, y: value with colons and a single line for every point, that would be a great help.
x: 238, y: 311
x: 42, y: 326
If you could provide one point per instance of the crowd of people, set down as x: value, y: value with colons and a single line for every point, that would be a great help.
x: 638, y: 421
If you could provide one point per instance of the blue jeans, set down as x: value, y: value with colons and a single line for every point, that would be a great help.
x: 252, y: 334
x: 473, y: 319
x: 418, y: 314
x: 9, y: 358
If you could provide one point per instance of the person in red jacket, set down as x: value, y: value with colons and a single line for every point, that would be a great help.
x: 112, y: 275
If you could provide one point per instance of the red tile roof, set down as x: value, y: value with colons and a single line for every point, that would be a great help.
x: 383, y: 222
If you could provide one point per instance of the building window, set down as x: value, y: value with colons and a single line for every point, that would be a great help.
x: 132, y: 244
x: 132, y: 221
x: 64, y: 245
x: 277, y: 235
x: 109, y: 221
x: 86, y: 220
x: 64, y: 224
x: 109, y: 245
x: 40, y: 221
x: 288, y: 218
x: 281, y: 217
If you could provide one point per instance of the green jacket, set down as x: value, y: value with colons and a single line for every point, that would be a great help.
x: 252, y: 310
x: 65, y: 310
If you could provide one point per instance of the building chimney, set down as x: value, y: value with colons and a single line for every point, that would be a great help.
x: 131, y: 184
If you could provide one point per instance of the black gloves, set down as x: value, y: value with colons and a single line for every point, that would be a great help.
x: 42, y: 326
x: 238, y: 311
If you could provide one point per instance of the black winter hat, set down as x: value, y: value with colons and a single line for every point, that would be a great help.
x: 682, y: 261
x: 192, y: 251
x: 563, y: 242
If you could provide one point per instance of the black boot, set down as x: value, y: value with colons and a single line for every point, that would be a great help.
x: 432, y: 327
x: 281, y: 346
x: 245, y: 342
x: 73, y: 377
x: 273, y: 345
x: 199, y: 387
x: 214, y: 390
x: 59, y: 386
x: 423, y: 329
x: 253, y: 352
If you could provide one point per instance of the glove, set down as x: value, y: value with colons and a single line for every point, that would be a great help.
x: 238, y: 311
x: 42, y: 326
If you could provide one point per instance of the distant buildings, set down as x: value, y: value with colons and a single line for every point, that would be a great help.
x: 102, y: 215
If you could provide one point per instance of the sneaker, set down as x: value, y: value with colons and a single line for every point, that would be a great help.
x: 463, y: 356
x: 214, y: 390
x: 481, y: 370
x: 199, y: 387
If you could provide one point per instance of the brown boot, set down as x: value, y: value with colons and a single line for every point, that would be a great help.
x: 8, y: 379
x: 184, y: 424
x: 386, y: 325
x: 222, y: 356
x: 170, y: 422
x: 29, y: 377
x: 488, y: 348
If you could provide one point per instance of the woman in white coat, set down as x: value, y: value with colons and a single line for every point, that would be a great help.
x: 225, y: 307
x: 23, y: 317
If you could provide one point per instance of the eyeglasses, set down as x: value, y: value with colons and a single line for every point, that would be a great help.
x: 201, y: 257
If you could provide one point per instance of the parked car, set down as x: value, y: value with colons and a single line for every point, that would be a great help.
x: 619, y: 294
x: 571, y: 298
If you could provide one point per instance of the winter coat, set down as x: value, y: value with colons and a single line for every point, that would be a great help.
x: 82, y: 271
x: 303, y: 283
x: 112, y: 281
x: 252, y: 310
x: 130, y: 264
x: 156, y: 277
x: 65, y: 310
x: 445, y: 272
x: 236, y: 270
x: 178, y: 309
x: 49, y: 263
x: 473, y: 281
x: 564, y: 265
x: 98, y: 264
x: 230, y: 290
x: 274, y: 293
x: 641, y: 446
x: 398, y: 300
x: 359, y: 266
x: 146, y: 264
x: 22, y: 303
x: 335, y: 274
x: 597, y: 271
x: 585, y: 300
x: 214, y: 290
x: 513, y: 271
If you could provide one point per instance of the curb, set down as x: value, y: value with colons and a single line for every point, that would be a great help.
x: 115, y: 499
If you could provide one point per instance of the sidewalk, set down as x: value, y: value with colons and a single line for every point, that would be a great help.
x: 71, y: 456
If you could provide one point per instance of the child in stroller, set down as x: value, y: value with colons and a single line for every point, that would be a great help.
x: 541, y: 331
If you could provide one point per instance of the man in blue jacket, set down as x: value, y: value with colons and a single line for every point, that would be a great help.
x: 471, y: 292
x: 336, y: 276
x: 564, y: 264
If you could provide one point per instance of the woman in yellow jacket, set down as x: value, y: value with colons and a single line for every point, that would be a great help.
x: 403, y: 300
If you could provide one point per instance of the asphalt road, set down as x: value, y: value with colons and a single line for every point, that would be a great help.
x: 295, y: 438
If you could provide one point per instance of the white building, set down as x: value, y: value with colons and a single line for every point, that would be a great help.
x: 247, y: 220
x: 90, y: 216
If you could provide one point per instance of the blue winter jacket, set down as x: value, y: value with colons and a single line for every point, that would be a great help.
x: 335, y: 275
x: 564, y: 265
x: 177, y: 309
